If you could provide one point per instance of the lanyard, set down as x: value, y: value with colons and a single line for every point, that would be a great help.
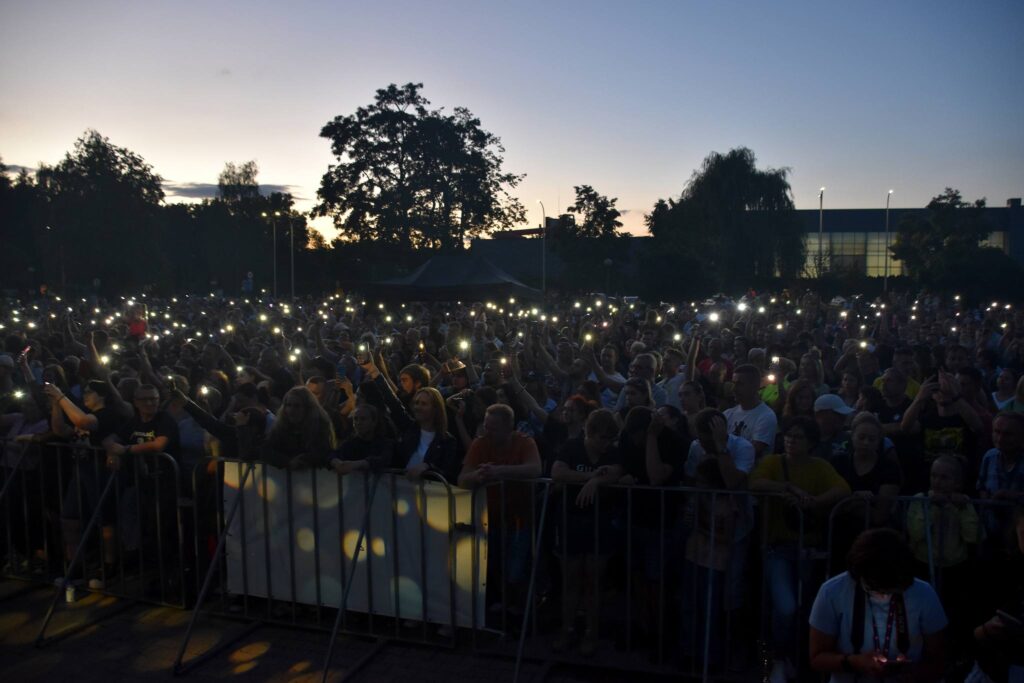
x: 897, y: 614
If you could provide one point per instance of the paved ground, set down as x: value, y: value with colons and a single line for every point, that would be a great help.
x: 139, y: 643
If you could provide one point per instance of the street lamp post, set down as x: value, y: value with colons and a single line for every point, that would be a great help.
x: 291, y: 248
x: 543, y: 251
x: 821, y: 231
x: 885, y: 280
x: 273, y: 224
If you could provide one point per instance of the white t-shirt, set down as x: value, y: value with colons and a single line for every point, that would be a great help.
x: 757, y: 424
x: 832, y: 614
x: 426, y: 438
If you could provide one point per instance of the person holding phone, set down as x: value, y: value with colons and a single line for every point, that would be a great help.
x: 875, y: 621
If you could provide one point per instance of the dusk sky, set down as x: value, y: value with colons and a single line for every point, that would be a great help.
x: 627, y: 97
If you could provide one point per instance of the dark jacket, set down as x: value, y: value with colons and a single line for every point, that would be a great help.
x: 442, y: 455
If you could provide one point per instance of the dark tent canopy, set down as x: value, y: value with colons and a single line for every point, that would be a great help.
x: 453, y: 276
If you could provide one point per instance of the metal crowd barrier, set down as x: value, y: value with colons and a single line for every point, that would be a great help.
x: 295, y: 547
x: 70, y: 521
x: 506, y: 569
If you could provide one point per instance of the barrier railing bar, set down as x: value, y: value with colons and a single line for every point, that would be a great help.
x: 178, y: 667
x: 316, y: 545
x: 711, y: 589
x: 363, y: 532
x: 530, y: 587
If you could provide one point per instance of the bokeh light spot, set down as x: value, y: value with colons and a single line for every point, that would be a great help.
x: 249, y: 652
x: 305, y: 539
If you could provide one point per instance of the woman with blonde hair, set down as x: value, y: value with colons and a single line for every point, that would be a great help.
x: 424, y: 444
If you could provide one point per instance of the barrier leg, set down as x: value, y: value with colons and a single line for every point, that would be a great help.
x: 348, y: 587
x: 178, y: 667
x: 530, y: 588
x: 79, y: 554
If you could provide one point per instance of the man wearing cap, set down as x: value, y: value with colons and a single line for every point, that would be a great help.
x: 830, y: 412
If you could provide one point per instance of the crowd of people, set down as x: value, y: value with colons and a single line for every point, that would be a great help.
x: 811, y: 419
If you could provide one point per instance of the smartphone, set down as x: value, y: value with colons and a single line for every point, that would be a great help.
x: 363, y: 354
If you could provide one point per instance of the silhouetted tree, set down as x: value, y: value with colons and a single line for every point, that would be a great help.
x: 598, y: 215
x: 739, y: 220
x: 922, y: 242
x: 101, y: 204
x: 942, y: 250
x: 237, y: 183
x: 407, y: 174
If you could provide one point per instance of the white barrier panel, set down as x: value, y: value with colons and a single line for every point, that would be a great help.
x: 403, y: 528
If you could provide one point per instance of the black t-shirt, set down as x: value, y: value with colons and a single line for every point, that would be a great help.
x: 647, y: 503
x: 574, y: 454
x: 945, y: 434
x: 108, y: 422
x: 908, y: 449
x: 886, y: 471
x: 136, y: 431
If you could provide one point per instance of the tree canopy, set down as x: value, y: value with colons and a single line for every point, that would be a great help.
x: 407, y: 174
x: 942, y: 250
x: 598, y: 215
x: 238, y: 182
x: 739, y: 220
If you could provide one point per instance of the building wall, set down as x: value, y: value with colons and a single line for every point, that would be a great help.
x: 855, y: 239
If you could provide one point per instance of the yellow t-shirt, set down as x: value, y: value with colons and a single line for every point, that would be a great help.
x: 913, y: 386
x: 813, y: 475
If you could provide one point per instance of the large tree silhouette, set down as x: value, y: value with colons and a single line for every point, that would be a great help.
x: 407, y: 174
x: 101, y: 202
x: 737, y: 219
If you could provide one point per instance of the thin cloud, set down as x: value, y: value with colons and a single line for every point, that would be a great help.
x: 210, y: 190
x: 15, y: 169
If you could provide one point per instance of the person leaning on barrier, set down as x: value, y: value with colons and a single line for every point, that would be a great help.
x: 810, y: 487
x: 98, y: 420
x: 424, y: 443
x: 584, y: 463
x: 1001, y: 475
x: 875, y: 621
x: 82, y: 491
x: 302, y: 435
x: 151, y: 430
x: 500, y: 454
x: 368, y: 449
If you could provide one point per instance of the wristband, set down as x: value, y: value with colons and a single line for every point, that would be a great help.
x: 845, y: 664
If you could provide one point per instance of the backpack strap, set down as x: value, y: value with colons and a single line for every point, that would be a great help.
x: 857, y: 625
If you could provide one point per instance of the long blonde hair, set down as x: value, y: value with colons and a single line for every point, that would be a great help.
x: 437, y: 402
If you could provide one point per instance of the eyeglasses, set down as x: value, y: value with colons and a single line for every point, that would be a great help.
x: 794, y: 436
